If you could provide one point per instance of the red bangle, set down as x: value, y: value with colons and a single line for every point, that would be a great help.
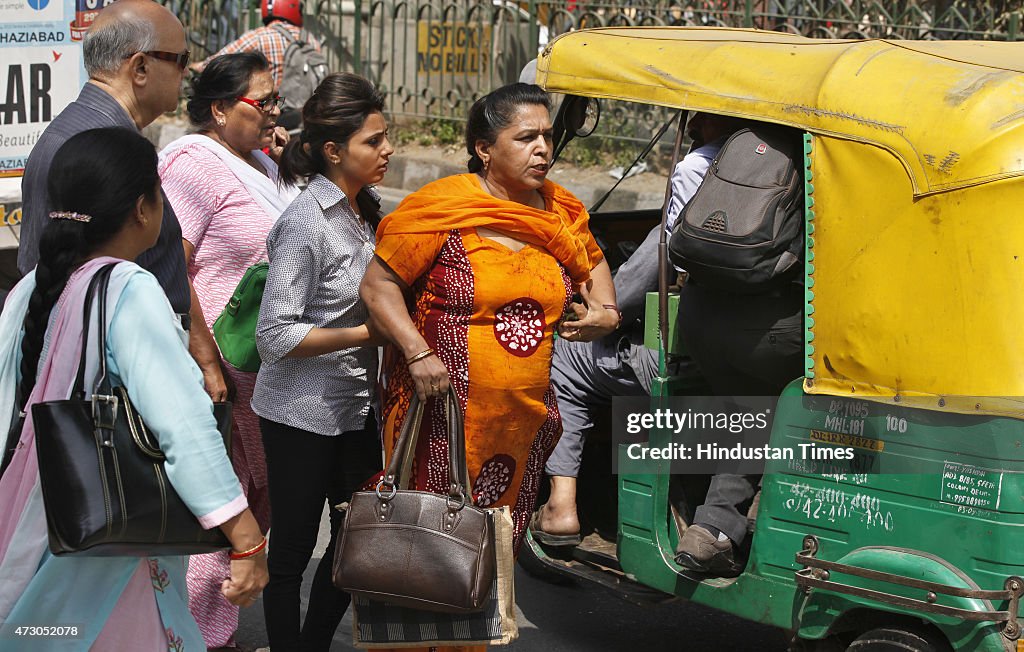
x: 255, y: 550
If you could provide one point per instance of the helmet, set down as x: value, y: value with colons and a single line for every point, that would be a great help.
x: 290, y: 10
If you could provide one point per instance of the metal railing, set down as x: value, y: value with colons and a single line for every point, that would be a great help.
x: 433, y: 58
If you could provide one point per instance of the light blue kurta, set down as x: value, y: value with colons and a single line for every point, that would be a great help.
x: 148, y: 355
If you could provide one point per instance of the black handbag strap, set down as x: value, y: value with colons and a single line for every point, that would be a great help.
x: 14, y: 431
x: 105, y: 398
x: 396, y: 475
x: 98, y: 284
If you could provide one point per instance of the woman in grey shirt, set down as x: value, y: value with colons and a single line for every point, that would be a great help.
x: 316, y: 390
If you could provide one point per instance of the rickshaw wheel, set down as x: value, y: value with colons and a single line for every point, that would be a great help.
x: 899, y: 639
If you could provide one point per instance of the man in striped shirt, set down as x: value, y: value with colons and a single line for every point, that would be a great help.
x: 282, y: 24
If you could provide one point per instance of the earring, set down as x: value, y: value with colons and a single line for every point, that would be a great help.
x: 221, y: 121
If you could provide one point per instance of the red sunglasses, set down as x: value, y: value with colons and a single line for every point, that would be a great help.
x: 266, y: 105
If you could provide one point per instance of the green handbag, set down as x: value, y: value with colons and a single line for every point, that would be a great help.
x: 235, y: 328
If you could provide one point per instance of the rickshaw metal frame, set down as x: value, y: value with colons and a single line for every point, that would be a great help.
x: 816, y: 574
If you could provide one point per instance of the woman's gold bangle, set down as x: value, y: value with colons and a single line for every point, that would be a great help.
x: 426, y: 353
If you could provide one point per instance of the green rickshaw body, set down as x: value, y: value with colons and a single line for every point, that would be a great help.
x: 958, y: 526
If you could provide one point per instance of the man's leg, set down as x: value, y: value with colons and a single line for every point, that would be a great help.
x: 572, y: 377
x: 745, y: 348
x: 585, y: 375
x: 720, y: 508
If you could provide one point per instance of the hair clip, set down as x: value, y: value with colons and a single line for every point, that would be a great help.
x: 70, y: 215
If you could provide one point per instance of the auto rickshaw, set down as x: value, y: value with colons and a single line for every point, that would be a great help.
x: 914, y: 262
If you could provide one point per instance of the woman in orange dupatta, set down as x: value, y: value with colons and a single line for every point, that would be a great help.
x: 487, y: 263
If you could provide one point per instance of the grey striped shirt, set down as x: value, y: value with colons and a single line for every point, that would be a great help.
x: 93, y: 109
x: 318, y: 254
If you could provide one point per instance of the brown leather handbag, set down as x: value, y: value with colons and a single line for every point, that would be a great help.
x: 416, y: 548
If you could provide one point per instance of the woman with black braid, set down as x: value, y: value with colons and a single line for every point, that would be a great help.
x: 105, y: 190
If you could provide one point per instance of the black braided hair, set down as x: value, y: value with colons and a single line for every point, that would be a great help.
x: 101, y: 173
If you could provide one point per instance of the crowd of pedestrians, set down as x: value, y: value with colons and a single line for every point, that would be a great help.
x: 464, y: 286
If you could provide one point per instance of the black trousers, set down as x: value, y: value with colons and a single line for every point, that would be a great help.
x: 303, y: 470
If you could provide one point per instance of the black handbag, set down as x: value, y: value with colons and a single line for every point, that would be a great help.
x: 416, y: 548
x: 101, y: 470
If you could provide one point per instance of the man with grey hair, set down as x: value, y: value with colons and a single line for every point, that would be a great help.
x: 136, y: 57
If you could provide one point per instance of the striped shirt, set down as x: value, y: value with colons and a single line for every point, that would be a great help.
x: 270, y: 42
x: 93, y: 109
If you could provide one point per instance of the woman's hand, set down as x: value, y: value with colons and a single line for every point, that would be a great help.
x: 429, y: 377
x: 592, y: 321
x: 277, y: 145
x: 248, y: 577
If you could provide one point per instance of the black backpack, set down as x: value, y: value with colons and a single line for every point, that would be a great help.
x: 743, y: 230
x: 302, y: 71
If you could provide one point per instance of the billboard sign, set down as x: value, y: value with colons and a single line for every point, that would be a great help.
x: 41, y: 69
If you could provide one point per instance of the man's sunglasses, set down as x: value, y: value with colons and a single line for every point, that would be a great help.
x: 178, y: 58
x: 266, y: 105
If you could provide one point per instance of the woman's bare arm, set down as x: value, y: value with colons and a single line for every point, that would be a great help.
x: 384, y: 293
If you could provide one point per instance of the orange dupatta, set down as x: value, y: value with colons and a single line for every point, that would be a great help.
x: 460, y: 202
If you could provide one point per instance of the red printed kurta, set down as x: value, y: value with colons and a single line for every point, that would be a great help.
x: 490, y: 313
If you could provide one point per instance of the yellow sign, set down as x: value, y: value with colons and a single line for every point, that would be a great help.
x: 10, y: 218
x: 452, y: 47
x: 847, y: 440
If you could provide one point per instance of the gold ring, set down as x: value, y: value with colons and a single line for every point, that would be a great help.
x: 435, y: 386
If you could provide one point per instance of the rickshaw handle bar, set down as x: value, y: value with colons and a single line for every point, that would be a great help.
x: 816, y: 573
x: 664, y: 267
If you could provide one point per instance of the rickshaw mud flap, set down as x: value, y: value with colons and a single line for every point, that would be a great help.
x: 816, y: 574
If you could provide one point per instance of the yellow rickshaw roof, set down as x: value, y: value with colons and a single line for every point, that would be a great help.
x: 951, y: 111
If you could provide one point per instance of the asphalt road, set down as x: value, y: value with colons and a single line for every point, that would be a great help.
x: 579, y: 618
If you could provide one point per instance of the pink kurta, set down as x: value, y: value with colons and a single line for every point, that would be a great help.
x: 228, y: 229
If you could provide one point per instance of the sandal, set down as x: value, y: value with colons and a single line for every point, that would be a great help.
x: 548, y: 539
